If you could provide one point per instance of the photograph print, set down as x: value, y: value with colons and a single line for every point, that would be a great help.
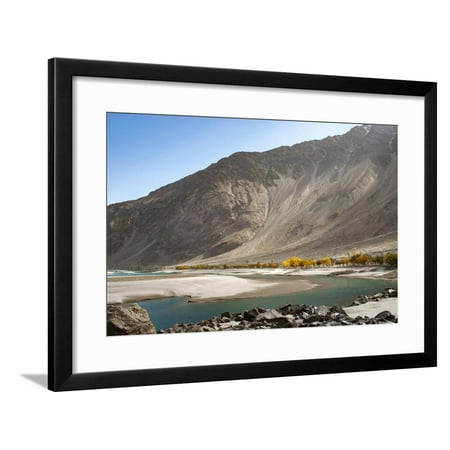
x: 222, y: 224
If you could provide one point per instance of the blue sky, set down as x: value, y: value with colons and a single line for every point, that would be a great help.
x: 147, y: 151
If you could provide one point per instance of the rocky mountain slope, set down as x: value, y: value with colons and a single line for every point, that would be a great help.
x: 321, y: 197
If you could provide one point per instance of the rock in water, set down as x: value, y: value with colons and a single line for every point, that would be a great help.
x: 128, y: 319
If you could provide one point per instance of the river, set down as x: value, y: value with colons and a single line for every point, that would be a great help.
x: 340, y: 291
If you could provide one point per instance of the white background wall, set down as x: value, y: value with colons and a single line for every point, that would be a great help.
x: 405, y: 40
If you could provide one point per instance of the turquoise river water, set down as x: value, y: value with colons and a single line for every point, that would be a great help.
x: 340, y: 291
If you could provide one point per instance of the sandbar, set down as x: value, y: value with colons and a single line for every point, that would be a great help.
x: 200, y: 288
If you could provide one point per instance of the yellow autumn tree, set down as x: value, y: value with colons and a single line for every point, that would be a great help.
x: 378, y: 259
x: 294, y: 261
x: 325, y: 261
x: 363, y: 259
x: 391, y: 259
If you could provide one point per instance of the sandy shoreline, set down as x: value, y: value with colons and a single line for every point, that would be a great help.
x: 200, y: 288
x: 371, y: 308
x: 278, y: 288
x: 151, y: 277
x: 375, y: 272
x: 216, y: 285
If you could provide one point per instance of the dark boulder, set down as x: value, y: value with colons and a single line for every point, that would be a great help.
x: 385, y: 315
x: 252, y: 313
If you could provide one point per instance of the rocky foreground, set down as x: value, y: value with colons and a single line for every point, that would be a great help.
x: 387, y: 293
x: 288, y: 316
x: 132, y: 319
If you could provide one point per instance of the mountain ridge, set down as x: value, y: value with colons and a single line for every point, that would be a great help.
x: 310, y: 198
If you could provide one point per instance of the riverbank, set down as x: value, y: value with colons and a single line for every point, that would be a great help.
x: 365, y: 309
x: 200, y: 288
x: 372, y: 305
x: 372, y: 309
x: 226, y: 284
x: 287, y: 316
x: 380, y: 272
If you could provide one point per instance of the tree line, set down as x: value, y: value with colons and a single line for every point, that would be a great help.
x: 355, y: 259
x: 256, y: 265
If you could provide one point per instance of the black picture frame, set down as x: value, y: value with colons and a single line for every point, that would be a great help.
x: 61, y: 376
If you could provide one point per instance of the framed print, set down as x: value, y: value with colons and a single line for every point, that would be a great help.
x: 217, y: 224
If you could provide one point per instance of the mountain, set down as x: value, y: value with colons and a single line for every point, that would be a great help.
x: 317, y: 198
